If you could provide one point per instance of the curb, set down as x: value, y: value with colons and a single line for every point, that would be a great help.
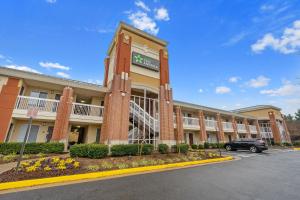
x: 297, y: 149
x: 105, y: 174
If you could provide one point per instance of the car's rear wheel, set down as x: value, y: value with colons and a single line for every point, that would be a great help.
x: 228, y: 148
x: 253, y: 149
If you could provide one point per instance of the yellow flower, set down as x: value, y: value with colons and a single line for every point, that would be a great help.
x: 61, y: 167
x: 25, y: 164
x: 55, y: 159
x: 37, y: 164
x: 47, y: 168
x: 76, y: 164
x: 31, y: 169
x: 41, y: 159
x: 69, y: 160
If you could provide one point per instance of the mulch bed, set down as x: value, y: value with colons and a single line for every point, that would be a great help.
x: 12, y: 175
x: 32, y: 156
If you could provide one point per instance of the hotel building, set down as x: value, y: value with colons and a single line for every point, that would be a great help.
x: 134, y: 104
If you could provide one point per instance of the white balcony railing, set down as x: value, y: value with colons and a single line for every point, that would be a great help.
x: 227, y: 126
x: 265, y: 130
x: 43, y: 105
x: 190, y: 122
x: 241, y: 128
x: 87, y: 110
x: 252, y: 129
x: 211, y: 125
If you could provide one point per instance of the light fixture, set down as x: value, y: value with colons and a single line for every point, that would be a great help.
x: 82, y: 101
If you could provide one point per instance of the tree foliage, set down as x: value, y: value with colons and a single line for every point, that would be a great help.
x: 297, y: 115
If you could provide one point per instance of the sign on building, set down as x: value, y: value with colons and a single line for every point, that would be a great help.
x: 145, y: 61
x: 32, y: 112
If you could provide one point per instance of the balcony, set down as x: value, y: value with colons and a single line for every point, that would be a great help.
x: 211, y: 125
x: 191, y: 123
x: 266, y: 131
x: 252, y: 129
x: 227, y: 126
x: 47, y: 108
x: 86, y: 113
x: 241, y: 128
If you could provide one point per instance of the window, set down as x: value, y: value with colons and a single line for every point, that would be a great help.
x: 9, y: 132
x: 32, y: 135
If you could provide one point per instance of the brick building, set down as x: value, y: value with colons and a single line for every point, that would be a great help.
x: 133, y: 105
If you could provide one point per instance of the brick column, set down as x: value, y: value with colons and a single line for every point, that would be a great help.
x: 257, y: 128
x: 202, y: 132
x: 61, y: 125
x: 117, y: 100
x: 179, y: 125
x: 274, y: 127
x: 288, y: 137
x: 106, y: 69
x: 220, y: 127
x: 248, y: 134
x: 8, y: 98
x: 234, y: 126
x: 165, y: 101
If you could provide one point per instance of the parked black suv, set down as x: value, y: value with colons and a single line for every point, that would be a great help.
x: 253, y: 145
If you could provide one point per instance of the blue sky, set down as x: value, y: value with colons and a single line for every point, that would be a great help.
x: 224, y: 54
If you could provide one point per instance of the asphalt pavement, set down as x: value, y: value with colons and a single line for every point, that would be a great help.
x: 273, y: 175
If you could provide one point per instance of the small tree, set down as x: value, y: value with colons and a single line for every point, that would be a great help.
x: 297, y: 115
x: 289, y: 117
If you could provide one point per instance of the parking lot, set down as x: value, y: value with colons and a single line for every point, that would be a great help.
x: 272, y: 175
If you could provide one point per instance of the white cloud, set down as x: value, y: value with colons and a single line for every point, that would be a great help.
x: 222, y: 90
x: 143, y: 22
x: 98, y: 82
x: 5, y: 58
x: 267, y: 7
x: 23, y: 68
x: 50, y: 65
x: 51, y: 1
x: 287, y: 89
x: 235, y: 39
x: 288, y: 43
x: 63, y: 74
x: 260, y: 81
x: 234, y: 79
x: 162, y: 14
x: 200, y: 90
x: 142, y: 5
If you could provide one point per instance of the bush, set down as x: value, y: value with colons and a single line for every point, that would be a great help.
x: 194, y: 146
x: 31, y: 148
x: 206, y: 145
x: 182, y: 148
x: 287, y: 144
x: 163, y: 148
x: 200, y: 146
x: 89, y: 150
x: 297, y: 144
x: 131, y: 149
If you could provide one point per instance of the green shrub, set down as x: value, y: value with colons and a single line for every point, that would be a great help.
x: 182, y: 148
x: 200, y: 146
x: 163, y: 148
x: 89, y: 150
x: 287, y: 144
x: 297, y: 144
x: 206, y: 145
x: 194, y: 146
x: 131, y: 149
x: 31, y: 148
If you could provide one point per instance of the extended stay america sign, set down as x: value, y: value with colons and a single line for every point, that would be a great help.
x: 145, y: 61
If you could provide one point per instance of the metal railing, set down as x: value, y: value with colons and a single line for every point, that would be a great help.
x: 87, y: 110
x: 265, y: 130
x: 227, y: 126
x: 211, y: 124
x: 45, y: 105
x: 241, y: 128
x: 190, y: 122
x: 252, y: 129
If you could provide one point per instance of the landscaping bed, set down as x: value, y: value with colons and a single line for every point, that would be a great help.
x: 14, y: 157
x: 57, y: 166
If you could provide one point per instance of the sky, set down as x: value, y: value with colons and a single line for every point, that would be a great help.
x: 223, y: 54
